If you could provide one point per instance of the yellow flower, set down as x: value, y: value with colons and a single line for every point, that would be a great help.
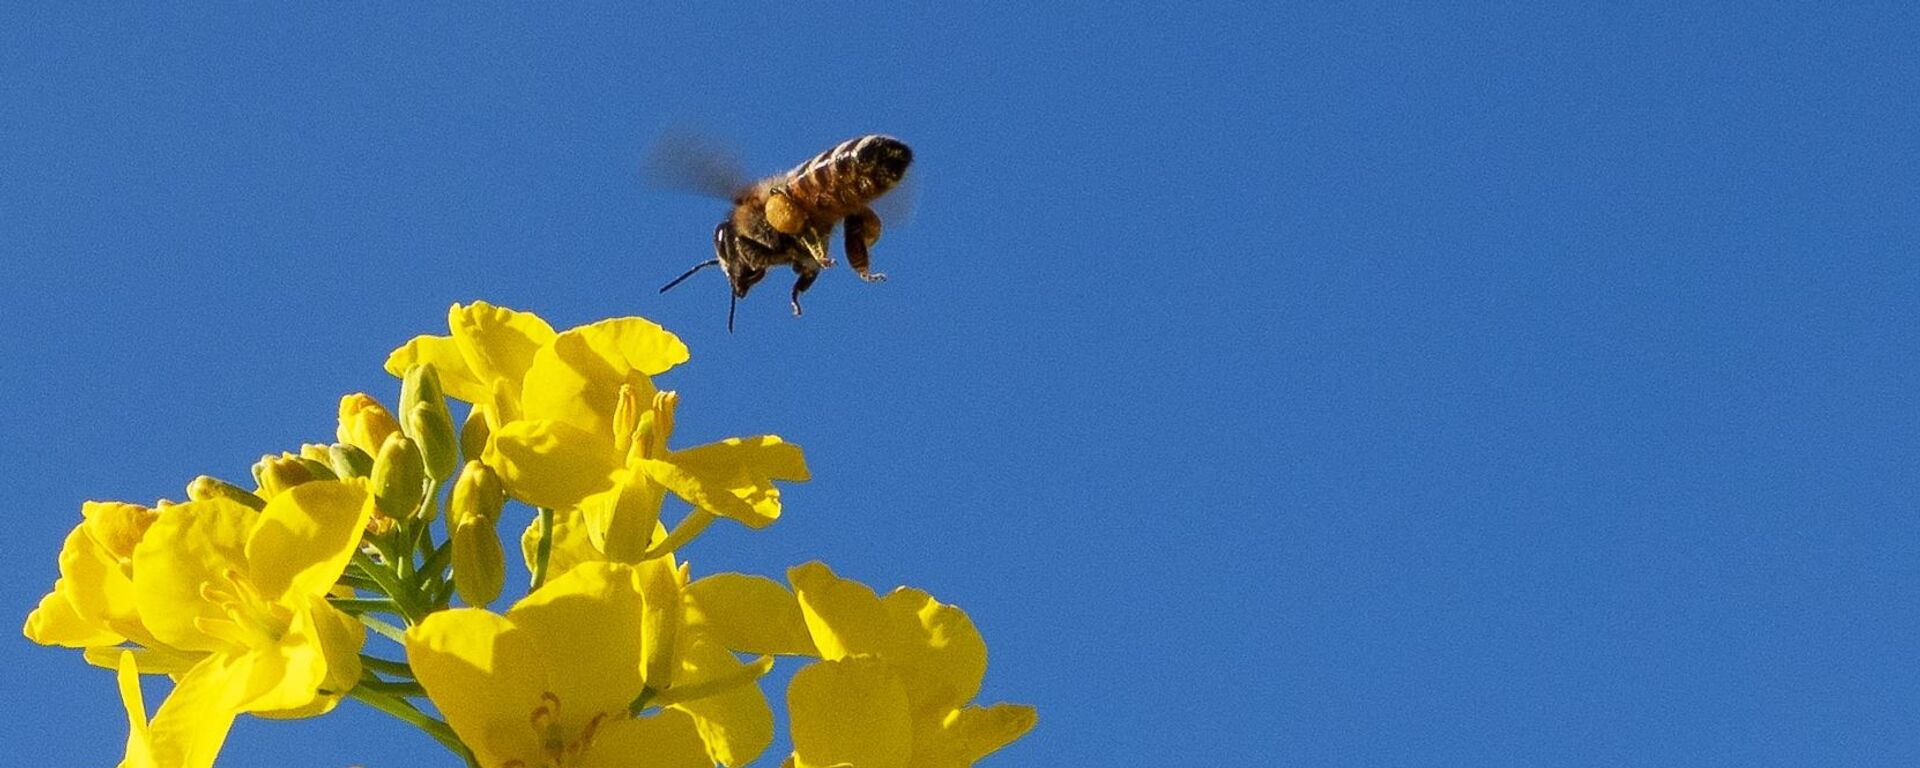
x: 503, y: 361
x: 554, y: 681
x: 893, y: 687
x: 618, y: 478
x: 92, y: 603
x: 242, y: 594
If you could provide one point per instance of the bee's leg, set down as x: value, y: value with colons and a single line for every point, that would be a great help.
x: 863, y: 230
x: 800, y: 285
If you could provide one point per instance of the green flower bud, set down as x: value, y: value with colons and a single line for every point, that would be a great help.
x: 422, y: 387
x: 278, y: 473
x: 477, y: 494
x: 479, y: 563
x: 399, y: 478
x: 440, y: 448
x: 349, y: 460
x: 206, y: 487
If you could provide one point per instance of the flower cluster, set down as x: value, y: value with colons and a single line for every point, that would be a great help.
x: 260, y: 601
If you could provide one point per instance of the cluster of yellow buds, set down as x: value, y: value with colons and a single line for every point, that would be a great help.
x: 277, y: 601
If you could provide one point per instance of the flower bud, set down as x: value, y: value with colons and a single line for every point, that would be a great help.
x: 317, y: 454
x: 364, y: 423
x: 278, y: 473
x: 474, y: 433
x: 479, y: 563
x: 422, y: 387
x: 399, y: 479
x: 439, y: 447
x: 206, y: 487
x: 349, y: 461
x: 478, y: 493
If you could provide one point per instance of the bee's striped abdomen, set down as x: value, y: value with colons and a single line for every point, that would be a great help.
x: 845, y: 179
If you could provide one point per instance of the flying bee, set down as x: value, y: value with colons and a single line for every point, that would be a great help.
x: 788, y: 218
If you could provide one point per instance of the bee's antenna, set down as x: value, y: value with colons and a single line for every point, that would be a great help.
x: 689, y: 273
x: 732, y: 301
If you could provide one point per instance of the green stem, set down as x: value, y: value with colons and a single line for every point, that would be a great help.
x: 385, y: 630
x: 407, y: 713
x: 359, y: 605
x: 394, y: 687
x: 437, y: 562
x: 545, y: 550
x: 359, y: 582
x: 386, y: 666
x: 403, y: 597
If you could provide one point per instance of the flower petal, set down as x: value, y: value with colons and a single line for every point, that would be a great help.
x: 305, y: 537
x: 588, y: 626
x: 736, y: 723
x: 849, y: 711
x: 551, y: 463
x: 753, y: 614
x: 667, y: 740
x: 189, y: 545
x: 139, y: 750
x: 571, y: 545
x: 55, y: 622
x: 497, y: 343
x: 935, y: 650
x: 443, y: 353
x: 193, y: 722
x: 484, y: 675
x: 844, y: 616
x: 577, y: 378
x: 966, y: 735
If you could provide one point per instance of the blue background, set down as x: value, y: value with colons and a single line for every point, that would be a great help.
x: 1280, y: 385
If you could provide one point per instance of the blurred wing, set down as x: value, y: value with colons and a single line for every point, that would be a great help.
x: 690, y: 162
x: 895, y: 208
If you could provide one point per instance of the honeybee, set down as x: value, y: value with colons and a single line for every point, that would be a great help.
x: 788, y: 218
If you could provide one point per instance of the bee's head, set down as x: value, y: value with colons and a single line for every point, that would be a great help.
x: 885, y: 153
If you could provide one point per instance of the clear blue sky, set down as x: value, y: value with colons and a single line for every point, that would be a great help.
x: 1278, y: 385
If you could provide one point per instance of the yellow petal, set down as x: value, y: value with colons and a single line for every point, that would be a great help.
x: 305, y: 537
x: 577, y: 378
x: 498, y: 343
x: 844, y: 616
x: 151, y: 661
x: 753, y: 614
x: 736, y: 723
x: 658, y: 583
x: 622, y: 519
x: 550, y: 463
x: 588, y: 624
x: 966, y: 735
x: 732, y: 478
x: 763, y: 456
x: 665, y: 740
x: 571, y: 545
x: 139, y: 750
x: 55, y: 622
x: 484, y: 675
x: 443, y: 353
x: 191, y: 544
x: 193, y: 722
x: 935, y: 650
x: 849, y: 711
